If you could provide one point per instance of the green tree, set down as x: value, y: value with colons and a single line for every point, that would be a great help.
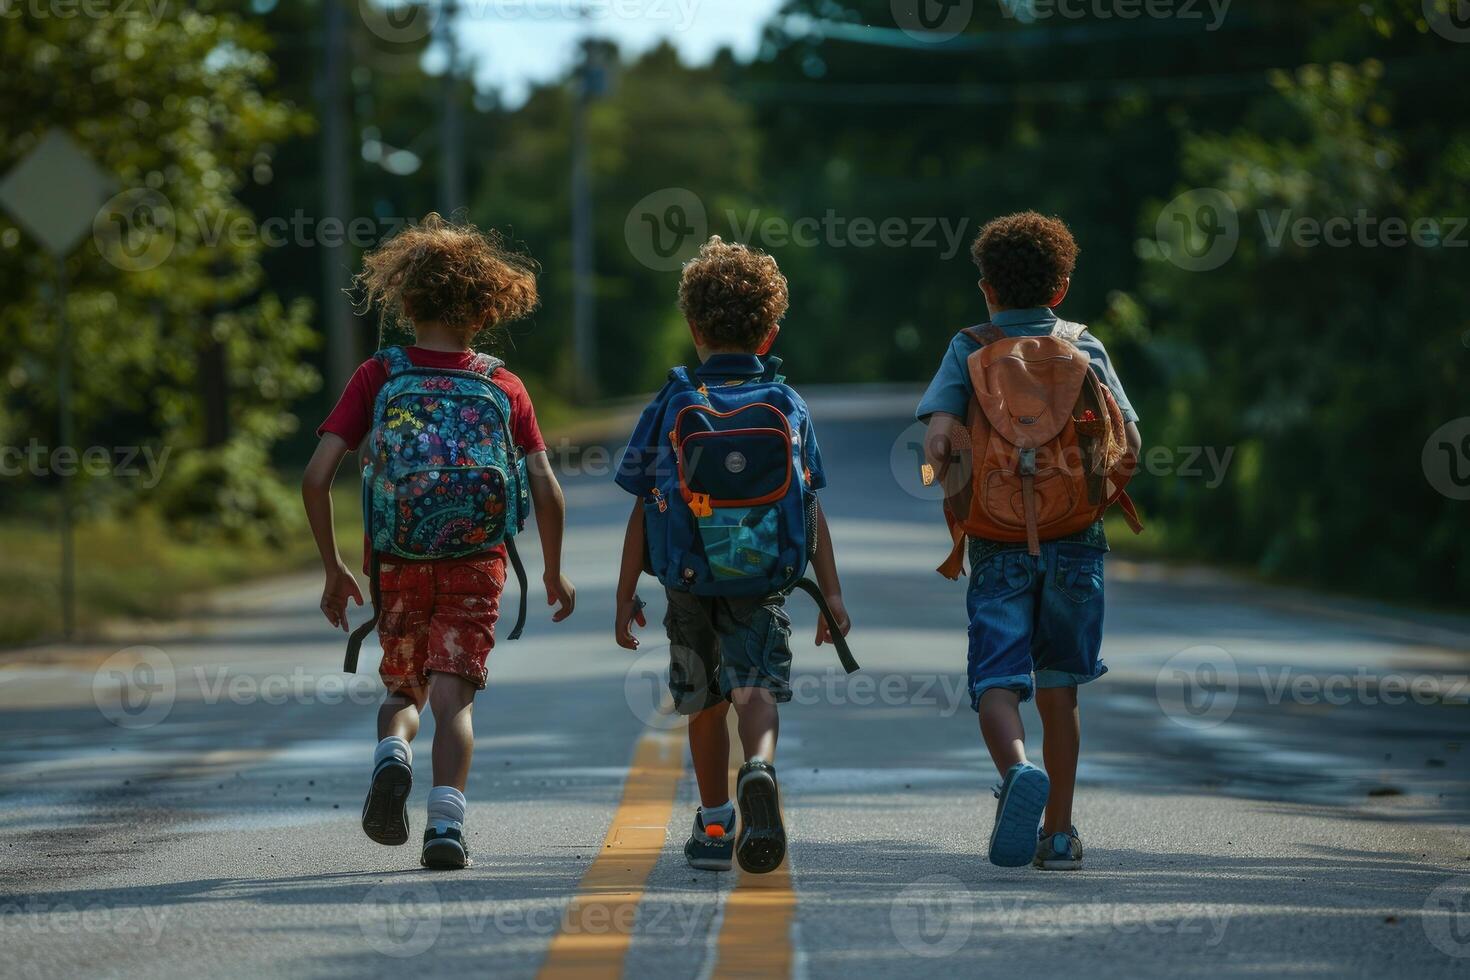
x: 179, y: 342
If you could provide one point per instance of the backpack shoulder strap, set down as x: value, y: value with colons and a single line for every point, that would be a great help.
x: 681, y: 376
x: 486, y: 364
x: 985, y: 333
x: 773, y: 370
x: 1068, y: 331
x: 394, y: 360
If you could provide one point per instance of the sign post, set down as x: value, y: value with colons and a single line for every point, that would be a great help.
x: 54, y: 193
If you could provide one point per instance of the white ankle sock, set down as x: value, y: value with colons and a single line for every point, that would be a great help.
x: 446, y: 806
x: 724, y: 815
x: 393, y: 747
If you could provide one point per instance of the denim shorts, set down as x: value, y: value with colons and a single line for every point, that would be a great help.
x: 719, y: 644
x: 1039, y: 616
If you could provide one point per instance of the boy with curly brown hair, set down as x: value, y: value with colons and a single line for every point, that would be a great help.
x: 451, y: 286
x: 727, y: 647
x: 1036, y: 615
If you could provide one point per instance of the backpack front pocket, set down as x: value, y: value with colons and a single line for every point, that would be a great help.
x: 741, y: 542
x: 450, y: 511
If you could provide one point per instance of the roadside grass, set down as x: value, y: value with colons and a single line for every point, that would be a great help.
x: 135, y: 568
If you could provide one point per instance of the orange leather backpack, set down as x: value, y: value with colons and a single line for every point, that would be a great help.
x: 1043, y: 453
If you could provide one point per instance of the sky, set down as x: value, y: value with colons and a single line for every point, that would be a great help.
x: 517, y: 43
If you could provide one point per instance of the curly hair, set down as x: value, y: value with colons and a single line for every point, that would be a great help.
x: 734, y: 295
x: 448, y: 272
x: 1025, y: 257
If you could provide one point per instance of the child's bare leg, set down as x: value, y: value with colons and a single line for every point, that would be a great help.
x: 1061, y: 739
x: 1000, y: 726
x: 398, y: 715
x: 709, y: 747
x: 452, y: 699
x: 758, y: 723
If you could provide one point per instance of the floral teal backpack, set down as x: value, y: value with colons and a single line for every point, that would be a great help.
x: 443, y: 477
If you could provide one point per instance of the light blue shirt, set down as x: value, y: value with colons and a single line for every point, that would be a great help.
x: 951, y: 391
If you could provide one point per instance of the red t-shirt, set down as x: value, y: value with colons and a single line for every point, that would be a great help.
x: 352, y: 418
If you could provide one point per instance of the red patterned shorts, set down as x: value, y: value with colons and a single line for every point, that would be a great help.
x: 438, y: 616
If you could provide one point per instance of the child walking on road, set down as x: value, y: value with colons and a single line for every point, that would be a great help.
x: 453, y: 460
x: 1033, y: 437
x: 725, y: 470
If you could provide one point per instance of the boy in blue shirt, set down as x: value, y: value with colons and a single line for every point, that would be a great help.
x: 1030, y: 616
x: 726, y: 650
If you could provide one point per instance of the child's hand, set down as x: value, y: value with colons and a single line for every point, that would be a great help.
x: 839, y: 613
x: 560, y: 592
x: 341, y: 586
x: 630, y: 611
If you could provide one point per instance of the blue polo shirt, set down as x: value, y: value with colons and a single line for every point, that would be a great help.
x: 649, y: 454
x: 951, y: 391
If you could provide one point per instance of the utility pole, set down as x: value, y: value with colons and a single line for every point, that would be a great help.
x: 589, y: 84
x: 451, y: 136
x: 342, y: 353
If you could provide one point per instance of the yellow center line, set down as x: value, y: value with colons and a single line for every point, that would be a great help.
x: 598, y: 924
x: 755, y: 933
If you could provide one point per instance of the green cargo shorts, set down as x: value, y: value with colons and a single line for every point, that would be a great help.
x: 719, y: 644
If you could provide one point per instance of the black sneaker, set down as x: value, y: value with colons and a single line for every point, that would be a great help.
x: 761, y: 844
x: 444, y: 848
x: 385, y: 811
x: 709, y: 848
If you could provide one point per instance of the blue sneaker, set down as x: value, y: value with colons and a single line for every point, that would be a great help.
x: 1022, y: 797
x: 444, y: 847
x: 709, y: 848
x: 1058, y: 852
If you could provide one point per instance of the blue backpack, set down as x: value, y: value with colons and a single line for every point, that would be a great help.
x: 734, y: 514
x: 442, y: 475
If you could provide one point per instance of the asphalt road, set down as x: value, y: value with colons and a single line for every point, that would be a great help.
x: 1272, y: 783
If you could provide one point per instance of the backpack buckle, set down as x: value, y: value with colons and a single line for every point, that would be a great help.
x: 1027, y: 466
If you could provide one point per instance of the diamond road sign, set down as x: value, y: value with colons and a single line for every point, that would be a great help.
x: 54, y: 192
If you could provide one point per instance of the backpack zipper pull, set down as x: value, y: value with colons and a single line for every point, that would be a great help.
x: 699, y: 505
